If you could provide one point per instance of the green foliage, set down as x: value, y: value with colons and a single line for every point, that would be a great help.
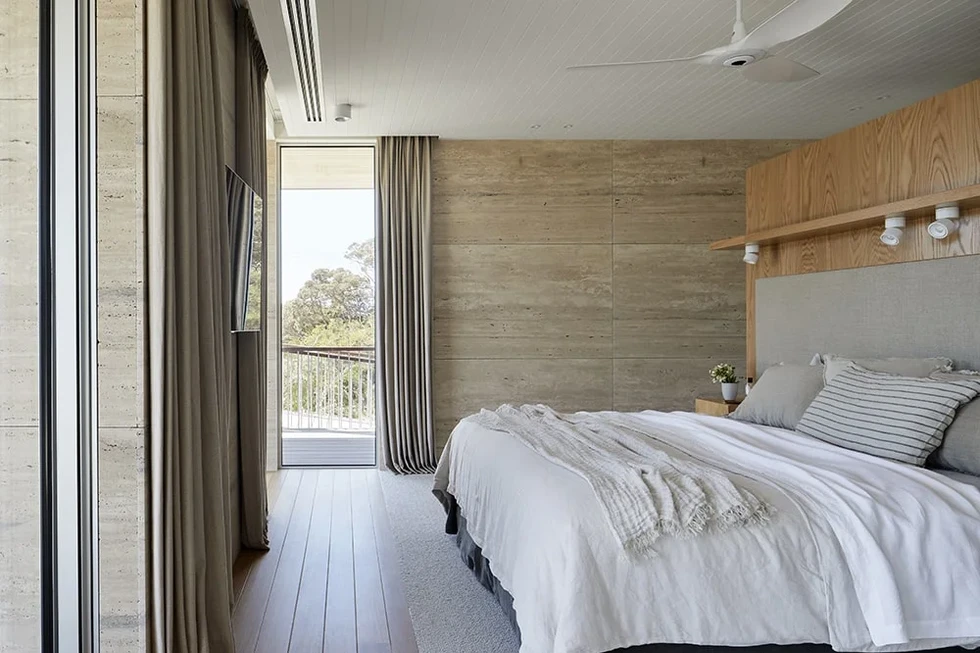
x: 335, y: 307
x: 253, y: 309
x: 331, y: 387
x: 253, y: 301
x: 362, y: 253
x: 723, y: 373
x: 336, y: 333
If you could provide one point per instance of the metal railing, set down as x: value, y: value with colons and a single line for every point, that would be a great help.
x: 327, y: 388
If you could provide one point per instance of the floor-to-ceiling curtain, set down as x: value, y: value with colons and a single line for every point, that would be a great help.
x: 192, y: 414
x: 404, y: 274
x: 250, y: 152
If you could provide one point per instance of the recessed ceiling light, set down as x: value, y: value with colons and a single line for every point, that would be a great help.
x: 882, y: 97
x: 535, y: 126
x: 567, y: 126
x: 855, y: 109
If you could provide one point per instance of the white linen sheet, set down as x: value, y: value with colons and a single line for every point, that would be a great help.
x: 644, y: 493
x: 908, y: 535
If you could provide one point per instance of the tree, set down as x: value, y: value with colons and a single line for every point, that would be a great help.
x: 362, y: 253
x: 342, y: 334
x: 330, y: 295
x: 335, y: 307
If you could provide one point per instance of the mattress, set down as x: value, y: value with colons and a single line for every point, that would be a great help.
x: 538, y: 526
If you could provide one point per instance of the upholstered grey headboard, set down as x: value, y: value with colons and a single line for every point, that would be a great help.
x: 925, y: 308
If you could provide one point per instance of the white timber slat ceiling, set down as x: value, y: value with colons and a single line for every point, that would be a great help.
x: 326, y: 168
x: 495, y: 68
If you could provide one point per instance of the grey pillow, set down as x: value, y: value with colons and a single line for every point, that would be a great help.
x: 960, y: 450
x: 781, y: 395
x: 917, y: 367
x: 899, y: 418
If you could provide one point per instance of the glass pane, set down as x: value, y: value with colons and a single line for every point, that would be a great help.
x: 20, y: 578
x: 326, y: 208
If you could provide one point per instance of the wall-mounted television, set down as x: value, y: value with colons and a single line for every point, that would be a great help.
x: 245, y: 229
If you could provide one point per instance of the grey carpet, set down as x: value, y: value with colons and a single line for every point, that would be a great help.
x: 451, y: 611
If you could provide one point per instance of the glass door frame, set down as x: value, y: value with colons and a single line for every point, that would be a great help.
x: 276, y: 223
x: 67, y: 327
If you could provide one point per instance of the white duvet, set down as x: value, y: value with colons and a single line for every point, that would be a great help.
x: 862, y: 554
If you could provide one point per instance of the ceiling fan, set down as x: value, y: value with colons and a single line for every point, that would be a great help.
x: 750, y: 50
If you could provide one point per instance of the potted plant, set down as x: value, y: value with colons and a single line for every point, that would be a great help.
x: 724, y: 373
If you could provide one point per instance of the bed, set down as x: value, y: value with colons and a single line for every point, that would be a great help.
x: 861, y: 554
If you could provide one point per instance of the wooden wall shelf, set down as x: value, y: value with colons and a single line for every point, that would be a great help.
x: 967, y: 197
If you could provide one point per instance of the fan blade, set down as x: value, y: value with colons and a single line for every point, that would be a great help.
x: 795, y: 20
x: 778, y: 69
x: 701, y: 58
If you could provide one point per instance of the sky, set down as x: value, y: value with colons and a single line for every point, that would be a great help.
x: 317, y: 228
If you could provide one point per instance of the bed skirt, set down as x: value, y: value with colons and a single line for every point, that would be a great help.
x: 472, y: 555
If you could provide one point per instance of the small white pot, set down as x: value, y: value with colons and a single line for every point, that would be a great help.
x: 729, y: 391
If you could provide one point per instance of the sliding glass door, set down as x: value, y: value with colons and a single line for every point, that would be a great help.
x: 48, y: 547
x: 326, y: 210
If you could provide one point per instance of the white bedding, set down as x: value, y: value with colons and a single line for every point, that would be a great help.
x: 644, y: 493
x: 908, y: 535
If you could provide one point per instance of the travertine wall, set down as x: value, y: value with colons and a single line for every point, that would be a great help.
x: 19, y: 481
x: 577, y: 273
x: 121, y: 315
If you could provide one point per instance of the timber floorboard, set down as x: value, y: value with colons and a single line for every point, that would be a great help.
x: 330, y: 581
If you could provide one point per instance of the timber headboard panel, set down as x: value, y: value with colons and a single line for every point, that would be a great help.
x: 930, y: 146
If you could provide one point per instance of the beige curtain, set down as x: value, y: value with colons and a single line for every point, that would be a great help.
x: 192, y: 359
x: 404, y: 253
x: 250, y: 163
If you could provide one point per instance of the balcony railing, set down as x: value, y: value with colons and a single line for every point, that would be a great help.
x: 328, y: 388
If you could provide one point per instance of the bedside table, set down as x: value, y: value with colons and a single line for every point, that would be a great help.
x: 715, y: 406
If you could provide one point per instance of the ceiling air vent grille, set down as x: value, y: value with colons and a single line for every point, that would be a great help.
x: 301, y: 25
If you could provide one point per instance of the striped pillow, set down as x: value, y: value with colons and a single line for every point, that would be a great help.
x: 899, y: 418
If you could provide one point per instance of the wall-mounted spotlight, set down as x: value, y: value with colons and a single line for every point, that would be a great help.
x: 945, y: 222
x: 341, y: 113
x: 892, y: 235
x: 751, y: 253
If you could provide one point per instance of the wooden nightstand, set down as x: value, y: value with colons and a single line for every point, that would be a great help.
x: 715, y: 406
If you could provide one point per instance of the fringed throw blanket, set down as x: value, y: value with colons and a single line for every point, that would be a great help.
x: 643, y: 492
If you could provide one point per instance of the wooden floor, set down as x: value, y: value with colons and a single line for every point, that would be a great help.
x: 331, y: 579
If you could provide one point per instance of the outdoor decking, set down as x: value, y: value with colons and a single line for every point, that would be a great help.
x: 313, y: 448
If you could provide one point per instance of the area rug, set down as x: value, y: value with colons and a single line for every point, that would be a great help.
x: 451, y: 611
